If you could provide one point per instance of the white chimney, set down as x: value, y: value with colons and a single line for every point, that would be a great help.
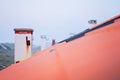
x: 23, y: 44
x: 43, y: 42
x: 92, y: 23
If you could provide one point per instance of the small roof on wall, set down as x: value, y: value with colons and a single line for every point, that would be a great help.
x: 23, y: 31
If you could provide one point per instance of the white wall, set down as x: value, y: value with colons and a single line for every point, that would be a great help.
x: 21, y: 52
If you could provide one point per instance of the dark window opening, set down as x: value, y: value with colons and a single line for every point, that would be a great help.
x: 27, y: 41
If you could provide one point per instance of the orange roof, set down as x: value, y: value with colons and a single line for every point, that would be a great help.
x: 94, y: 56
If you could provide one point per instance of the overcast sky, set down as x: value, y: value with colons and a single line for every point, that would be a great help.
x: 54, y: 18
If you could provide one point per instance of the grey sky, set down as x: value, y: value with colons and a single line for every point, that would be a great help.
x: 54, y: 18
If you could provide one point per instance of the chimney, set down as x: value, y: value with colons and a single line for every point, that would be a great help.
x: 23, y: 44
x: 53, y: 42
x: 92, y: 23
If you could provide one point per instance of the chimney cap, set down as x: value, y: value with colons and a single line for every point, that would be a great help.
x: 23, y: 29
x: 92, y: 21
